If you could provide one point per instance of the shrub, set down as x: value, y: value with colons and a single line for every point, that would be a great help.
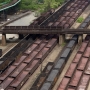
x: 80, y: 20
x: 44, y: 5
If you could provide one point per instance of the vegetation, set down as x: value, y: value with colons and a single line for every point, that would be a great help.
x: 3, y: 2
x: 80, y: 20
x: 41, y: 5
x: 63, y: 44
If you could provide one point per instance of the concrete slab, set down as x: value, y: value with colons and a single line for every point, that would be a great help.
x: 25, y: 21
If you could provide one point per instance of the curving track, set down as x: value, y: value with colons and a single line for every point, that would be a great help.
x: 11, y: 4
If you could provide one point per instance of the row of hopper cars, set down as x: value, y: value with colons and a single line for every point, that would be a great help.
x: 10, y: 57
x: 23, y: 66
x: 69, y: 14
x: 78, y: 74
x: 51, y: 72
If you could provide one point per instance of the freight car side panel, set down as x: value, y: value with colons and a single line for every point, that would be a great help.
x: 31, y: 48
x: 87, y: 69
x: 32, y: 66
x: 30, y: 57
x: 83, y: 47
x: 66, y: 53
x: 75, y: 79
x: 46, y: 86
x: 59, y: 63
x: 83, y: 82
x: 71, y: 70
x: 18, y: 70
x: 52, y: 75
x: 19, y: 60
x: 7, y: 82
x: 63, y: 83
x: 19, y: 80
x: 77, y: 57
x: 7, y: 72
x: 87, y: 52
x: 82, y: 64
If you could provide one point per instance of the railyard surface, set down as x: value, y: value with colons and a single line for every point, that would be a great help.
x: 75, y: 25
x: 51, y: 57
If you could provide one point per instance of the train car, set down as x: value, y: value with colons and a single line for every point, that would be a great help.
x: 18, y: 69
x: 64, y: 83
x: 83, y: 47
x: 5, y: 62
x: 83, y: 84
x: 7, y: 72
x: 19, y: 80
x: 60, y: 19
x: 58, y: 67
x: 71, y: 70
x: 52, y: 43
x: 51, y: 80
x: 77, y: 57
x: 42, y: 77
x: 11, y: 56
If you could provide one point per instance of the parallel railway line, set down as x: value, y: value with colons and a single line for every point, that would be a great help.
x: 44, y: 82
x: 16, y: 67
x: 77, y: 75
x: 23, y: 67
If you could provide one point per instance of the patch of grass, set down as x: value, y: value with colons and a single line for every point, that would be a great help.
x: 63, y: 44
x: 80, y: 20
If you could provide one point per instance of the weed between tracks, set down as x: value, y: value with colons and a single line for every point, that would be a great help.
x: 63, y: 44
x: 80, y: 19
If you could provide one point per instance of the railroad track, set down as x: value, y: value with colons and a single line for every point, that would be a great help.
x: 21, y: 46
x: 47, y: 79
x: 24, y: 65
x: 77, y: 75
x: 27, y: 52
x: 67, y: 15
